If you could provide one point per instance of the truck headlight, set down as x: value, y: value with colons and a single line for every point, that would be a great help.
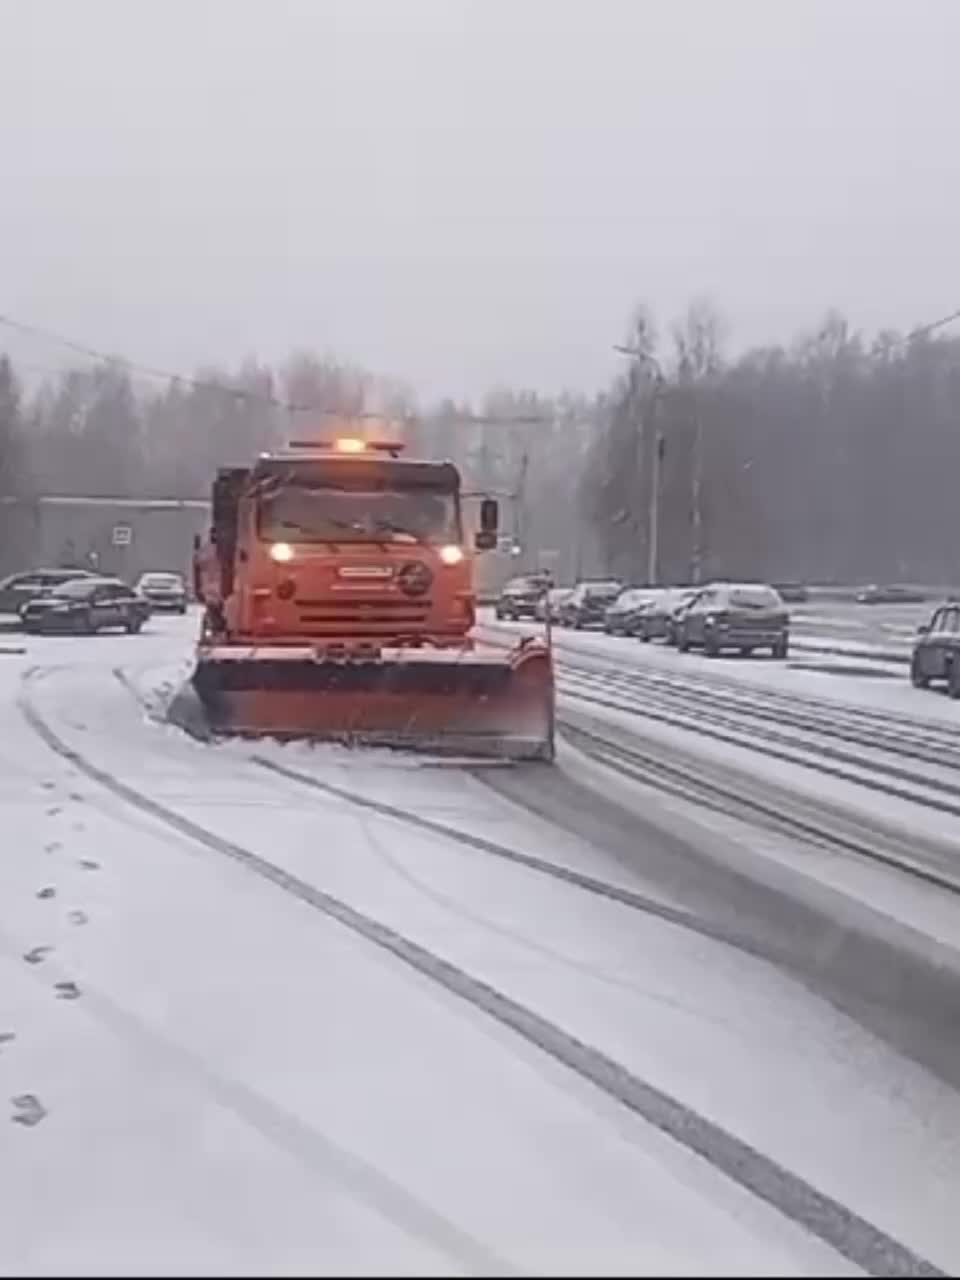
x: 451, y: 554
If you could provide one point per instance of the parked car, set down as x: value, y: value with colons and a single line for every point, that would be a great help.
x: 891, y: 594
x: 659, y: 620
x: 20, y: 588
x: 936, y: 653
x: 550, y: 602
x: 85, y: 606
x: 729, y: 615
x: 519, y: 597
x: 587, y: 603
x: 622, y: 617
x: 792, y: 592
x: 163, y: 591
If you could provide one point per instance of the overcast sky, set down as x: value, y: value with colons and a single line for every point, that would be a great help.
x: 468, y: 192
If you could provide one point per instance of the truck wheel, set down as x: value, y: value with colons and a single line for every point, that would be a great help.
x: 682, y: 641
x: 710, y: 647
x: 134, y: 625
x: 917, y: 678
x: 781, y: 648
x: 953, y: 681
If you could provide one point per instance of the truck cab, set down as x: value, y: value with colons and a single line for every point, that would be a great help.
x: 340, y: 540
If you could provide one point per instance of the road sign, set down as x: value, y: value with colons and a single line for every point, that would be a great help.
x: 122, y: 535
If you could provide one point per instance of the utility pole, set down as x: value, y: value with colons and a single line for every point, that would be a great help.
x: 653, y: 539
x: 696, y: 565
x: 659, y: 450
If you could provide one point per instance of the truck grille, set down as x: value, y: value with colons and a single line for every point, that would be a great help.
x: 337, y: 614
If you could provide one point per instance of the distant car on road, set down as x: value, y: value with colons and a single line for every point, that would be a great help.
x: 730, y: 615
x: 623, y: 616
x: 20, y: 588
x: 550, y: 602
x: 85, y: 606
x: 164, y: 591
x: 520, y: 596
x: 936, y: 653
x: 792, y: 592
x: 890, y: 594
x: 587, y: 603
x: 659, y: 620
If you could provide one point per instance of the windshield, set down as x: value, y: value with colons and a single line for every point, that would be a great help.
x: 754, y: 598
x: 299, y: 514
x: 76, y: 588
x: 161, y: 580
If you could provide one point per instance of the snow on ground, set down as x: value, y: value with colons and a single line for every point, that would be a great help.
x: 213, y: 999
x: 923, y: 907
x: 886, y: 688
x: 240, y: 1085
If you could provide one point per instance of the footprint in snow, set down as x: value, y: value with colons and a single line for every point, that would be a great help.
x: 52, y: 847
x: 77, y: 917
x: 48, y: 785
x: 7, y: 1037
x: 37, y: 955
x: 27, y: 1109
x: 75, y: 795
x: 89, y: 864
x: 48, y: 891
x: 54, y: 810
x: 67, y: 990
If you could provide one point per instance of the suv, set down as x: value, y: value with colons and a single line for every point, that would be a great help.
x: 587, y: 603
x: 86, y: 606
x: 20, y: 588
x: 936, y: 654
x: 729, y: 615
x: 520, y: 596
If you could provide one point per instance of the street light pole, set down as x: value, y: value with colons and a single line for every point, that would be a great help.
x: 659, y: 449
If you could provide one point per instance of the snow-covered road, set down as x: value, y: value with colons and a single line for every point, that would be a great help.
x: 300, y: 1010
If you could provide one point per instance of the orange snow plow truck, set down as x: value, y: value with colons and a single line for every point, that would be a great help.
x: 339, y: 604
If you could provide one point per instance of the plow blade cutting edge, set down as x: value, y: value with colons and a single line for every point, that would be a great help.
x: 447, y: 701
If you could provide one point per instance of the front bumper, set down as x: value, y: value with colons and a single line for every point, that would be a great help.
x: 172, y: 603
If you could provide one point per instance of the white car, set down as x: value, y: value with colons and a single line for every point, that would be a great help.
x: 164, y: 591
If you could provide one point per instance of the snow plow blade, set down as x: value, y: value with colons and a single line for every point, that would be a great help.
x: 473, y: 702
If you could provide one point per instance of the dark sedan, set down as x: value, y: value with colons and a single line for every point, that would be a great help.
x: 936, y: 655
x: 86, y: 606
x: 20, y: 588
x: 893, y: 594
x: 587, y: 604
x: 623, y: 617
x: 659, y: 620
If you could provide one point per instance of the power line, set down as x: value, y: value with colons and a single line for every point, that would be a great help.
x: 151, y: 371
x: 922, y: 330
x: 205, y: 384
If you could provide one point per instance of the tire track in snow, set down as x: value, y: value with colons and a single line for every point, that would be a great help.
x: 824, y: 1217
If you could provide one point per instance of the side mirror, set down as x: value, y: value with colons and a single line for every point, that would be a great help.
x: 485, y: 539
x: 196, y: 542
x: 489, y: 516
x: 923, y: 629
